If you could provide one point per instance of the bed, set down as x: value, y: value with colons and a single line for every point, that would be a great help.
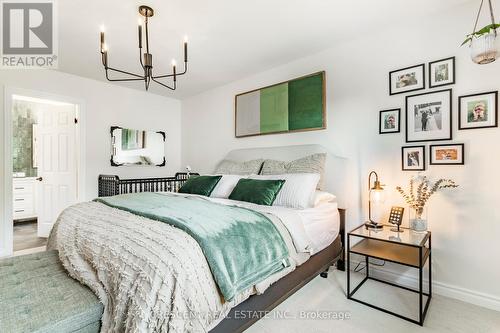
x: 124, y: 256
x: 317, y: 264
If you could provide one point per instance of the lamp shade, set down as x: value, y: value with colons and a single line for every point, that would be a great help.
x: 377, y: 196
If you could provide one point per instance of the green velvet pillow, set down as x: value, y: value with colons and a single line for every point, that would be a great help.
x: 257, y: 191
x: 202, y: 185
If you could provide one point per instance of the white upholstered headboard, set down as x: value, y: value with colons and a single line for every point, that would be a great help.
x: 337, y: 171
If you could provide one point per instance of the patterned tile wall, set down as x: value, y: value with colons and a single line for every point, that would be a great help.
x: 22, y: 144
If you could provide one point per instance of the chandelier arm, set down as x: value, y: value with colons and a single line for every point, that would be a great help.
x: 141, y: 77
x: 121, y: 79
x: 171, y: 75
x: 166, y: 86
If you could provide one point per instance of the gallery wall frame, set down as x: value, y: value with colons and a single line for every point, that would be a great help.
x: 435, y: 106
x: 490, y: 107
x: 413, y: 78
x: 420, y: 161
x: 382, y: 126
x: 450, y: 72
x: 455, y: 154
x: 288, y: 101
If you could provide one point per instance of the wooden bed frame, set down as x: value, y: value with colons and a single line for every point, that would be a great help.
x: 254, y: 308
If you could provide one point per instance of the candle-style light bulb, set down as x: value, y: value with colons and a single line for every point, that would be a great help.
x: 102, y: 38
x: 105, y: 55
x: 139, y: 21
x: 185, y: 48
x: 174, y: 64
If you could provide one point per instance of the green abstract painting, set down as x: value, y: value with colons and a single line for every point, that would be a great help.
x: 292, y: 106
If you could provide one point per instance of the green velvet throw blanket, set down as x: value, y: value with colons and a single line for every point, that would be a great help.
x: 242, y: 246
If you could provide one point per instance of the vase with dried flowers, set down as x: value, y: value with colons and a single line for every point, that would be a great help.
x: 418, y: 199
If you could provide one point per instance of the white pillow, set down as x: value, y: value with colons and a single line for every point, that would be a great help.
x: 225, y: 186
x: 321, y: 197
x: 297, y: 191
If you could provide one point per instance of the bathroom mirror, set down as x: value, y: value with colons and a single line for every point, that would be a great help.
x: 131, y: 147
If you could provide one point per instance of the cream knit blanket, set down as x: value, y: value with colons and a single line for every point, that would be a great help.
x: 150, y: 276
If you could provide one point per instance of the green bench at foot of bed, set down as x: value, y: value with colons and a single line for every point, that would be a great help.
x: 37, y: 295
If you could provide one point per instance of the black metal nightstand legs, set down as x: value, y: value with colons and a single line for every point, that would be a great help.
x: 348, y: 267
x: 424, y: 257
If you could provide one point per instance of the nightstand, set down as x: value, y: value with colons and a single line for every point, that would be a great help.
x: 407, y: 248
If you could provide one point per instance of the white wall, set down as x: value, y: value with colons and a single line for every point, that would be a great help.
x: 104, y: 105
x: 465, y: 223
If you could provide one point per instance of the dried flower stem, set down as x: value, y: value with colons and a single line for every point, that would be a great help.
x: 425, y: 190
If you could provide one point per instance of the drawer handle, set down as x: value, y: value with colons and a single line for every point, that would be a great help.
x: 18, y: 199
x: 19, y: 211
x: 18, y: 188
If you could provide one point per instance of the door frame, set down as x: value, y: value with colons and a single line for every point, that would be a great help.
x: 6, y: 224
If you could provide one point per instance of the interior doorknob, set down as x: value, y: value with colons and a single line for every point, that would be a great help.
x: 39, y: 179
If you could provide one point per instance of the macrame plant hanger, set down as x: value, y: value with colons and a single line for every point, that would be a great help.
x: 484, y: 48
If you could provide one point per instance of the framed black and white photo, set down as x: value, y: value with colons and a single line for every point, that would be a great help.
x: 413, y: 158
x: 407, y: 79
x: 389, y: 121
x: 442, y: 72
x: 448, y: 154
x: 478, y: 110
x: 429, y: 116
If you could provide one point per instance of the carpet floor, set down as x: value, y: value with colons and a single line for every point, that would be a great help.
x: 325, y: 298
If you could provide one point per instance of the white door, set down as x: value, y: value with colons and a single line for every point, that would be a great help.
x: 57, y: 168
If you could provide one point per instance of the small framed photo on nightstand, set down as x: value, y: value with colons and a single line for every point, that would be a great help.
x: 447, y: 154
x: 413, y: 158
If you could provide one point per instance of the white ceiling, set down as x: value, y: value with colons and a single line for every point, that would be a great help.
x: 229, y: 39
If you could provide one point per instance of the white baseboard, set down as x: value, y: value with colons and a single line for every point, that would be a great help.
x: 443, y: 289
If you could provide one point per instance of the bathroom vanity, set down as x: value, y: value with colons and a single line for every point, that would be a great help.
x: 24, y: 198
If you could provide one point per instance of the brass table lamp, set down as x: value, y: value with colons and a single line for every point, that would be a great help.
x: 376, y: 195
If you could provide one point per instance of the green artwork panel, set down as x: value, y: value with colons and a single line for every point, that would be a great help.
x: 274, y: 109
x: 305, y: 103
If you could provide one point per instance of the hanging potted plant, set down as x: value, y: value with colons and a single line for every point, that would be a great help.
x: 484, y: 43
x: 417, y: 200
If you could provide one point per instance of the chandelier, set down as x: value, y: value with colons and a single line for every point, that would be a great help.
x: 146, y: 59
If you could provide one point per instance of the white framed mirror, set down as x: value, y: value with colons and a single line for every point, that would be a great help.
x: 131, y: 147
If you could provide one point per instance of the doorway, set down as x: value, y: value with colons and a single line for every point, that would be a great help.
x: 44, y: 139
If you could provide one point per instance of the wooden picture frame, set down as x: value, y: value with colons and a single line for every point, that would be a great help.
x: 407, y: 79
x: 449, y: 154
x: 296, y: 105
x: 444, y: 76
x: 429, y: 116
x: 416, y: 162
x: 386, y: 126
x: 469, y: 110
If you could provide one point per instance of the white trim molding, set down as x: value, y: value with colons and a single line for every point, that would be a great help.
x: 6, y: 222
x: 439, y: 288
